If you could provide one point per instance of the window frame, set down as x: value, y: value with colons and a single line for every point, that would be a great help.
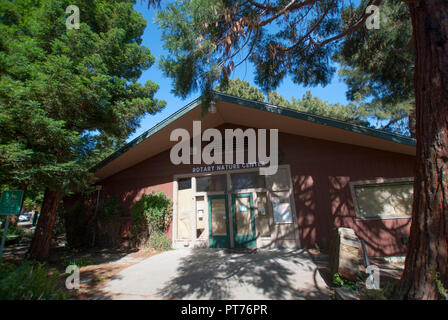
x: 379, y: 181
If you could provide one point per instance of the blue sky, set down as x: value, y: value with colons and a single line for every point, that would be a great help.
x: 333, y: 93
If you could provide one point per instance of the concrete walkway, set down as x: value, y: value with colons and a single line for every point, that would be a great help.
x: 220, y: 274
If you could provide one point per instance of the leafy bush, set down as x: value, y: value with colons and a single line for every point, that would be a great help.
x: 28, y: 281
x: 337, y: 280
x: 153, y: 209
x: 151, y: 216
x: 108, y: 222
x: 159, y: 242
x: 87, y: 227
x: 81, y: 262
x: 442, y: 291
x: 341, y: 282
x: 14, y: 230
x: 109, y: 209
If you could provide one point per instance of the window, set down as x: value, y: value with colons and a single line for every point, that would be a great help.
x: 211, y: 183
x: 200, y: 216
x: 183, y: 184
x: 280, y: 196
x: 281, y: 207
x: 383, y: 200
x: 250, y: 180
x: 261, y: 205
x: 184, y: 209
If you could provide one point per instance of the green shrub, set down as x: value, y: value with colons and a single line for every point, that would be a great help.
x: 151, y: 215
x: 443, y: 292
x: 14, y: 230
x: 153, y: 209
x: 341, y: 282
x: 88, y: 227
x: 109, y: 209
x: 81, y: 262
x: 108, y: 222
x: 337, y: 280
x: 159, y: 242
x: 28, y: 281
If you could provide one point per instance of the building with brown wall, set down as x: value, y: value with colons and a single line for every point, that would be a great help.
x: 330, y: 174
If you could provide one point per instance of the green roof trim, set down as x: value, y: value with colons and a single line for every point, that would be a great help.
x: 317, y: 119
x: 264, y: 107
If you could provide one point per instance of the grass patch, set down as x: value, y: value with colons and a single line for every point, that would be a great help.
x: 80, y: 262
x: 159, y: 242
x: 29, y: 281
x: 14, y: 230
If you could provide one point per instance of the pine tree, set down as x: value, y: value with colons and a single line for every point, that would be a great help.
x: 240, y: 88
x: 377, y: 65
x: 308, y: 103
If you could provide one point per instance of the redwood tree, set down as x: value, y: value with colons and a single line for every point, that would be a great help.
x: 208, y: 39
x: 428, y: 245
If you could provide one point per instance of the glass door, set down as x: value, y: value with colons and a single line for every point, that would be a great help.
x: 243, y: 220
x: 218, y: 221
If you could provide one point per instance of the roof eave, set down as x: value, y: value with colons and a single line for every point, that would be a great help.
x: 259, y: 106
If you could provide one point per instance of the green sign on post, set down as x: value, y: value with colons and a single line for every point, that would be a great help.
x: 10, y: 203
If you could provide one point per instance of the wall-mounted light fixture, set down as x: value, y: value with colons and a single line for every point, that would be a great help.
x: 212, y: 108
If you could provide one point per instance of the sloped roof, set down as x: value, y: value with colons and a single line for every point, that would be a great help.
x: 231, y: 109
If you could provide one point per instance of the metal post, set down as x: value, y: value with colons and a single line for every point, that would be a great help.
x: 368, y: 269
x: 4, y: 237
x: 364, y: 250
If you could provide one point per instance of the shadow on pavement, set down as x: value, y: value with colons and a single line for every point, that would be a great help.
x: 272, y: 274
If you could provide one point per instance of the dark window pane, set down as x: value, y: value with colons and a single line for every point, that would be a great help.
x: 211, y: 183
x: 249, y: 180
x: 183, y: 184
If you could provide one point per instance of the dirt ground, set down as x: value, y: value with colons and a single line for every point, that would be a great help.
x: 94, y: 277
x: 97, y: 266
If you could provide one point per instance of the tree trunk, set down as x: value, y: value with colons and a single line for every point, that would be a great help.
x: 411, y: 121
x: 428, y: 245
x: 40, y: 246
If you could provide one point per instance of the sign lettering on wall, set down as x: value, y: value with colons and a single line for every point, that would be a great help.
x: 226, y: 167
